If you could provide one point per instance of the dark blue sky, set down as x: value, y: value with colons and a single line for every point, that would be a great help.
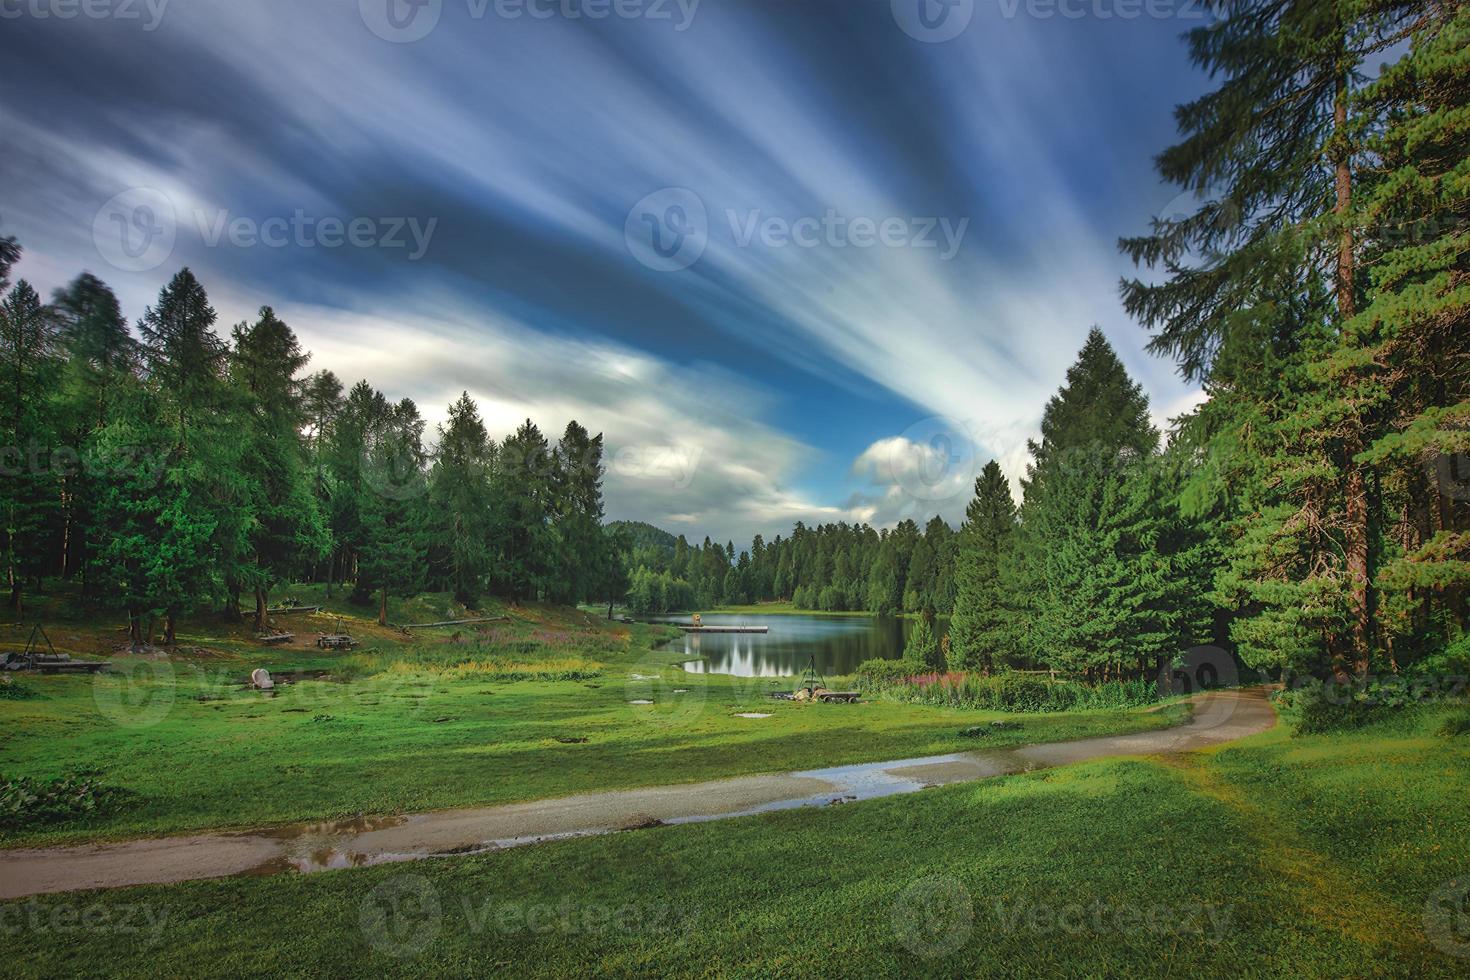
x: 798, y: 260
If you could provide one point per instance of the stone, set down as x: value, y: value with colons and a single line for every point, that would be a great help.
x: 260, y: 678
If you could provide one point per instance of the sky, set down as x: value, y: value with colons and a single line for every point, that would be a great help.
x: 795, y: 259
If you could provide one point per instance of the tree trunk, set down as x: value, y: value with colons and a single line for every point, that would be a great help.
x: 170, y: 629
x: 383, y: 608
x: 135, y: 628
x: 1357, y: 509
x: 609, y: 607
x: 259, y: 609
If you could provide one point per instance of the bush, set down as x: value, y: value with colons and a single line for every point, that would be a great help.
x: 1328, y: 707
x: 27, y: 802
x: 1019, y: 692
x: 832, y: 599
x: 881, y: 673
x: 13, y: 690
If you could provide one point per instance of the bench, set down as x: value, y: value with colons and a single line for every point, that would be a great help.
x: 845, y: 697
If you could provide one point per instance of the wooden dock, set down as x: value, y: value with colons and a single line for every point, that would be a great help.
x: 725, y: 629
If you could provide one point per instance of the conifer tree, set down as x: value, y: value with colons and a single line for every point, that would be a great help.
x: 980, y: 629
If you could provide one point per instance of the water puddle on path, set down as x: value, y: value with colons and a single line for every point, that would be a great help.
x: 1217, y: 718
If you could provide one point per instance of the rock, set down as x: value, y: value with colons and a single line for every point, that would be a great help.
x: 260, y: 678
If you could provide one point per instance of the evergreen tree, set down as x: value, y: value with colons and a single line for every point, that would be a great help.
x: 523, y: 495
x: 100, y: 359
x: 922, y: 649
x: 981, y: 626
x: 284, y: 532
x: 28, y: 376
x: 459, y: 496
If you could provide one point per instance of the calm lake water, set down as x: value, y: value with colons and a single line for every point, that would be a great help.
x: 839, y: 643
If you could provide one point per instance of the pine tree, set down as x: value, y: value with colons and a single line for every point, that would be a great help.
x: 523, y: 495
x: 1276, y: 154
x: 459, y: 492
x: 392, y: 559
x: 981, y: 627
x: 577, y: 505
x: 284, y: 531
x: 29, y: 371
x: 100, y: 359
x: 922, y: 649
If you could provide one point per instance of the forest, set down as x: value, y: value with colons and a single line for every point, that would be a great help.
x: 177, y: 471
x: 1313, y: 514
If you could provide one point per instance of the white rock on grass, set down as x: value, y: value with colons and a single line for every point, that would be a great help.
x: 641, y: 701
x: 751, y: 714
x: 260, y: 678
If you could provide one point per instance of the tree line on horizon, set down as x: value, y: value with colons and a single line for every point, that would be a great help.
x: 1314, y: 512
x: 177, y: 471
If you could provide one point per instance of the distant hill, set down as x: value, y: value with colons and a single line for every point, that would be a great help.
x: 643, y: 535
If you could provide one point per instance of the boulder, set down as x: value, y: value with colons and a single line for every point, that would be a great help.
x: 260, y: 678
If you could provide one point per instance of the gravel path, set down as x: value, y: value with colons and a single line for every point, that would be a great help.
x: 1218, y: 717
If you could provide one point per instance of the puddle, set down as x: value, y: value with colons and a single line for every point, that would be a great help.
x: 368, y: 840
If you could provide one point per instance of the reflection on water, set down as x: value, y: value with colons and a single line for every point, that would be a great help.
x: 838, y: 643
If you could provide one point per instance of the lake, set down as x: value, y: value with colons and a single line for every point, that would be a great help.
x: 838, y: 643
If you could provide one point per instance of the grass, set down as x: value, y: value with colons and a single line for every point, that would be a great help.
x: 1307, y: 857
x: 434, y: 721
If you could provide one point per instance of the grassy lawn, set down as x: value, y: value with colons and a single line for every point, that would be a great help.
x: 1273, y: 857
x: 431, y: 721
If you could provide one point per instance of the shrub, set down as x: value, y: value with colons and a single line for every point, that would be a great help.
x: 832, y: 599
x: 27, y: 802
x: 1329, y: 707
x: 1019, y: 692
x: 13, y: 690
x: 881, y: 673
